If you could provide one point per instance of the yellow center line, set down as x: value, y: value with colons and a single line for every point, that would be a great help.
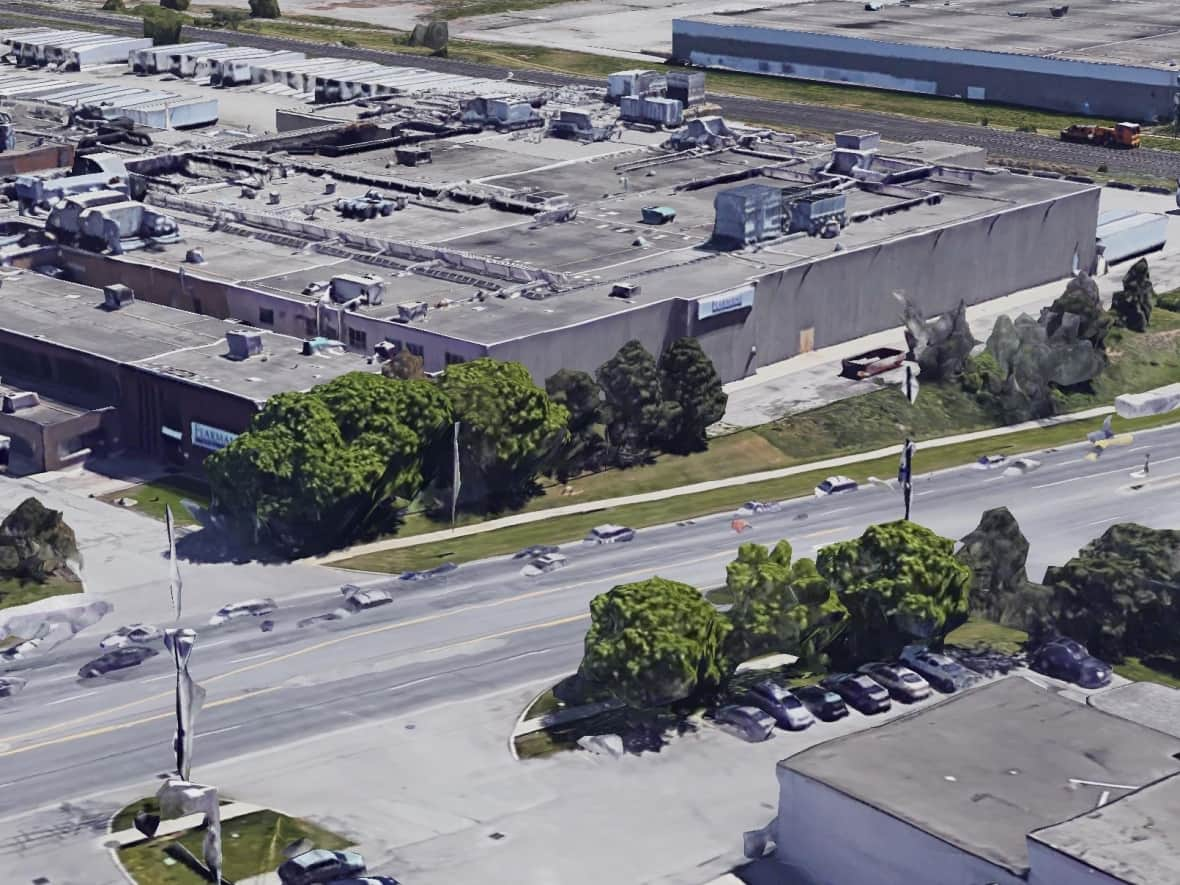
x: 250, y: 695
x: 328, y: 643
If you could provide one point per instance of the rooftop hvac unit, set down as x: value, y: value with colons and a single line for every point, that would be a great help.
x: 408, y: 311
x: 413, y: 156
x: 625, y: 290
x: 243, y: 343
x: 22, y: 399
x: 116, y: 295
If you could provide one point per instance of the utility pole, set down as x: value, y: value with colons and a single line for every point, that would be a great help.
x: 905, y: 474
x: 455, y: 478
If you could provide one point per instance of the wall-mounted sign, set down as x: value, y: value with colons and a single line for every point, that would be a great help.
x: 726, y: 302
x: 212, y: 438
x: 172, y: 433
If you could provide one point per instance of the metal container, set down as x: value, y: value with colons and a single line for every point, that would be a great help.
x: 663, y: 111
x: 631, y: 107
x: 747, y: 214
x: 687, y: 87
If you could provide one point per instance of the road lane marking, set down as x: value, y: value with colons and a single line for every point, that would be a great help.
x: 158, y: 678
x: 218, y: 731
x: 348, y: 637
x: 1108, y: 519
x: 1046, y: 485
x: 413, y: 682
x: 253, y: 693
x: 73, y: 697
x: 265, y: 654
x: 822, y: 532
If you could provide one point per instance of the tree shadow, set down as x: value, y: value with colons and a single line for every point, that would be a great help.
x: 988, y: 661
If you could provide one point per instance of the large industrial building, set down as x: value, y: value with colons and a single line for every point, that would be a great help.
x: 1007, y: 784
x: 1098, y: 57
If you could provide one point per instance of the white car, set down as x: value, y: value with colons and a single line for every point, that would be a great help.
x: 902, y: 682
x: 20, y: 651
x: 835, y: 485
x: 1021, y: 466
x: 543, y: 565
x: 609, y: 534
x: 251, y: 607
x: 987, y: 462
x: 753, y: 508
x: 366, y: 599
x: 944, y: 673
x: 132, y: 633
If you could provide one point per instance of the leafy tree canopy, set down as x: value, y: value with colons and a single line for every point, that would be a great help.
x: 691, y: 384
x: 654, y: 642
x: 264, y: 9
x: 780, y: 606
x: 900, y: 583
x: 637, y: 416
x: 584, y: 447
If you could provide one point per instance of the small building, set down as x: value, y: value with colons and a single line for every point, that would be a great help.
x: 1006, y: 784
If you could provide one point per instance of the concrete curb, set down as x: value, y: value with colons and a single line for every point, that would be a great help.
x: 694, y: 488
x: 179, y: 825
x: 561, y: 717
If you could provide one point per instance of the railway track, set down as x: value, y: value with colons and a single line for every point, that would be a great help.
x: 999, y: 143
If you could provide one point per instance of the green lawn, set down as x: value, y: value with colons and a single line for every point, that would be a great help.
x: 152, y: 497
x: 125, y: 819
x: 537, y: 744
x: 14, y: 592
x: 988, y: 634
x: 1163, y: 671
x: 251, y: 844
x: 720, y: 596
x: 544, y: 705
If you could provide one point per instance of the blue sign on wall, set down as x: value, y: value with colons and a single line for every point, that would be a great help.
x: 726, y: 302
x: 212, y: 438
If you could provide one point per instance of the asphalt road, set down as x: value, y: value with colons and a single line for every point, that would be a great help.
x: 789, y: 115
x: 486, y: 626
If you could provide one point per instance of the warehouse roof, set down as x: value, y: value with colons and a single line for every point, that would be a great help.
x: 1140, y: 34
x: 987, y: 767
x: 1136, y: 839
x: 160, y: 339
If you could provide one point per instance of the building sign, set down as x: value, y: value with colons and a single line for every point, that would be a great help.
x: 212, y: 438
x: 726, y: 302
x: 171, y: 433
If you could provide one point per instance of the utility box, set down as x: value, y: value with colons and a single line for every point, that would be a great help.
x: 17, y: 400
x: 687, y: 87
x: 243, y: 343
x: 747, y: 214
x: 349, y: 287
x: 625, y: 290
x: 635, y: 82
x: 413, y: 156
x: 858, y: 140
x: 116, y: 295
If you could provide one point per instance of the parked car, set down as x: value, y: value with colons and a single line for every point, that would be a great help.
x: 119, y: 659
x: 902, y: 682
x: 609, y: 534
x: 987, y: 462
x: 543, y: 565
x: 10, y: 685
x: 835, y: 485
x: 319, y: 866
x: 366, y: 599
x: 786, y: 709
x: 945, y: 674
x: 753, y: 508
x: 859, y: 692
x: 749, y: 723
x: 250, y: 608
x: 535, y: 551
x: 132, y: 633
x: 823, y: 703
x: 1068, y: 660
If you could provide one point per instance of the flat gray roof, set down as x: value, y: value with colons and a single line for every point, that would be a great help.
x: 989, y: 766
x: 1136, y: 839
x: 160, y: 339
x: 1143, y: 33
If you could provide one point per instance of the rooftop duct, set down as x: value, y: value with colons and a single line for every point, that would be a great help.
x: 243, y: 343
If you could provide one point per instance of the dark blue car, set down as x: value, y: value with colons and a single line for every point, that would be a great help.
x: 1069, y: 661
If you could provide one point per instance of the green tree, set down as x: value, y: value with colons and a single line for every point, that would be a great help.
x: 780, y: 606
x: 162, y: 25
x: 1080, y: 298
x: 584, y: 447
x: 900, y: 583
x: 1132, y: 303
x: 404, y: 365
x: 114, y: 6
x: 637, y: 416
x: 227, y: 17
x: 689, y: 380
x: 509, y: 429
x: 653, y: 643
x: 1120, y: 596
x: 996, y: 552
x: 178, y: 5
x: 264, y: 9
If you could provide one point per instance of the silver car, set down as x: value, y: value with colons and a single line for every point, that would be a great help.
x: 902, y: 682
x: 748, y: 723
x: 945, y: 674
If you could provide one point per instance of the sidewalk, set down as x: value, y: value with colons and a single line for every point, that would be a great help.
x: 662, y: 494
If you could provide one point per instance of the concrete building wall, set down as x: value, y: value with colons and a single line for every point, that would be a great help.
x: 159, y: 285
x: 824, y: 837
x: 1056, y: 84
x: 38, y: 447
x: 1047, y: 866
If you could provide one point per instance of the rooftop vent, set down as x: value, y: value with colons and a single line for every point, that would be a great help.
x: 195, y: 255
x: 116, y: 295
x: 20, y: 399
x: 408, y: 311
x: 243, y: 343
x: 625, y: 290
x: 312, y: 346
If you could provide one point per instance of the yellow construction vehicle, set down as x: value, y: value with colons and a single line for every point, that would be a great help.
x: 1121, y: 135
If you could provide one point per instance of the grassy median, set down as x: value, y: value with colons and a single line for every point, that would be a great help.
x: 151, y: 498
